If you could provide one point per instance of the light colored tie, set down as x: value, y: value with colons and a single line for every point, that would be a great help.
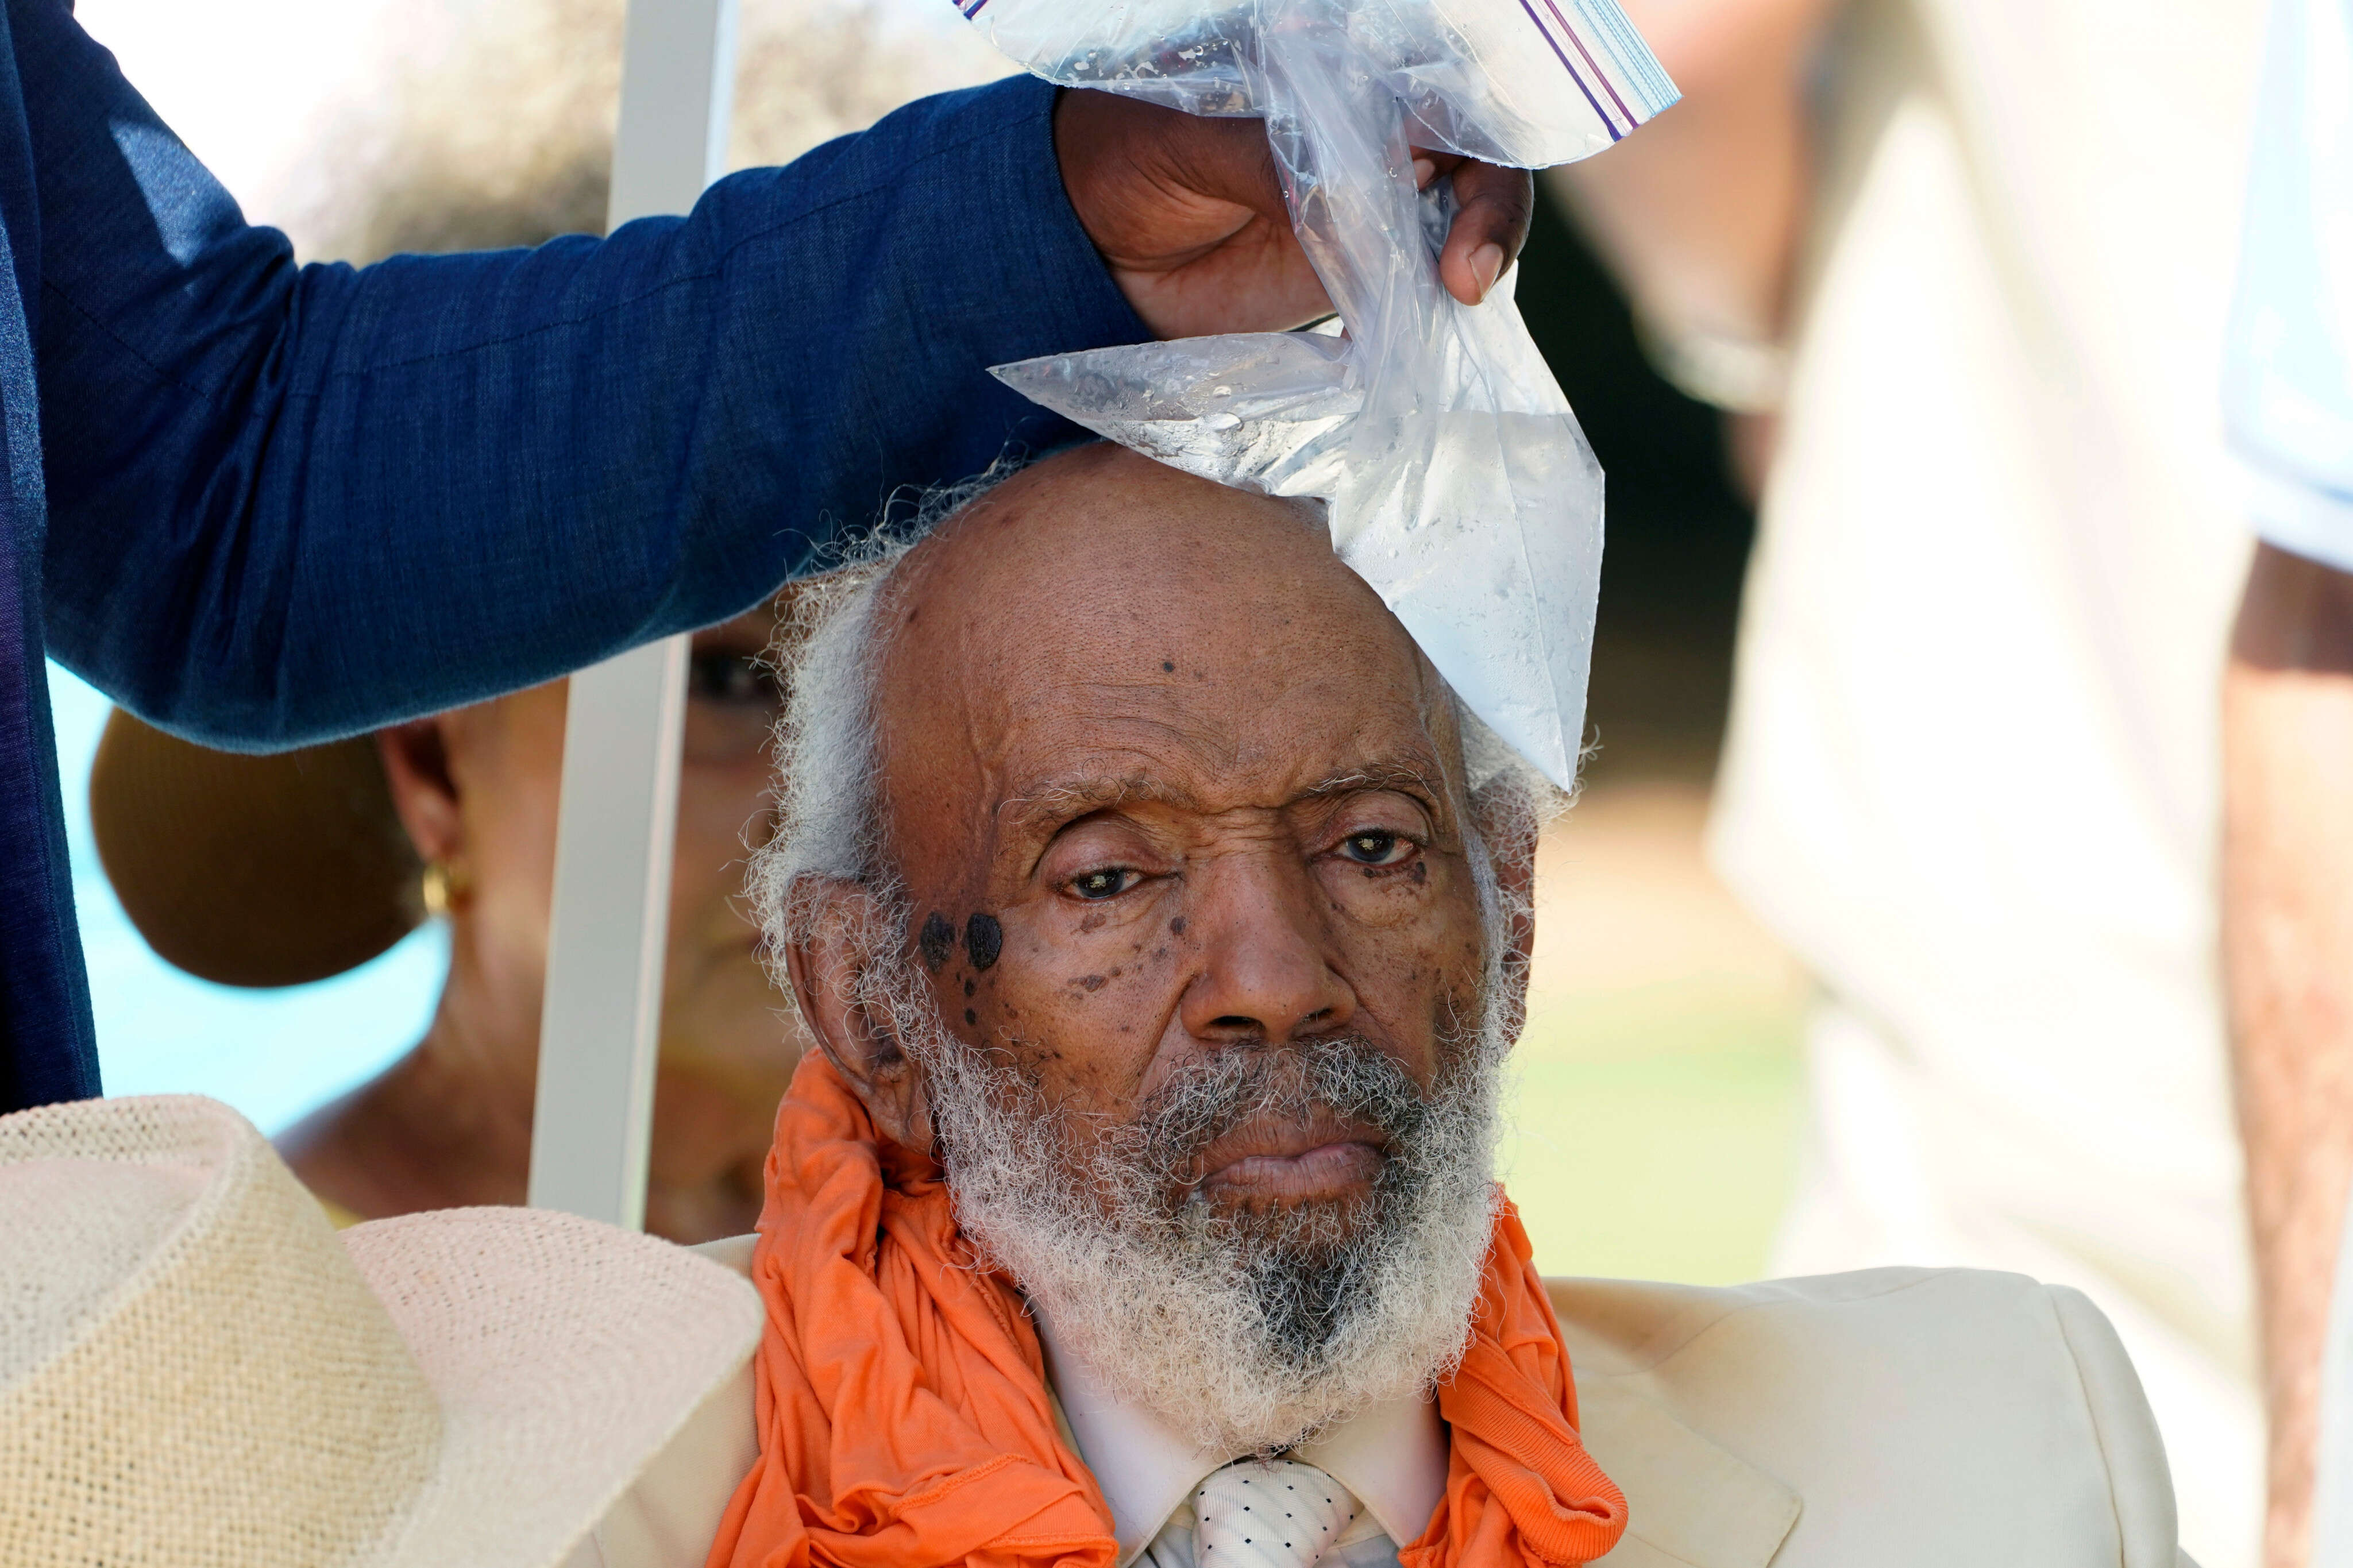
x: 1269, y: 1514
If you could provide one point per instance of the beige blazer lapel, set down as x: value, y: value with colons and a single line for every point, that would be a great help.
x: 1690, y: 1501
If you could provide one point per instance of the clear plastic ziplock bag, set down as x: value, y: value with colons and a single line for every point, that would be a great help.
x: 1455, y: 477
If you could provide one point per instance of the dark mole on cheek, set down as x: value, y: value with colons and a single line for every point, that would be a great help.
x: 983, y: 939
x: 1420, y: 872
x: 937, y: 937
x: 1176, y: 926
x: 1092, y: 982
x: 970, y: 1016
x: 1093, y: 921
x: 1169, y: 666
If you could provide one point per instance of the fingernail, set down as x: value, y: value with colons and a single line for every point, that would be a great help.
x: 1486, y: 265
x: 1424, y: 170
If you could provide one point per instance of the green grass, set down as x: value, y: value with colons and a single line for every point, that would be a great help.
x: 1655, y: 1131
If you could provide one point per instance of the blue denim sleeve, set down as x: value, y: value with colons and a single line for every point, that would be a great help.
x: 2288, y: 374
x: 292, y: 502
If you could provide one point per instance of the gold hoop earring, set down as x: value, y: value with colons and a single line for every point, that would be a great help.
x: 444, y: 888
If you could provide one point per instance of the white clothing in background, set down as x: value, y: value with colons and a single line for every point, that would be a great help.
x: 1972, y: 773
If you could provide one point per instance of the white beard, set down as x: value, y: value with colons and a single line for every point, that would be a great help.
x: 1247, y: 1333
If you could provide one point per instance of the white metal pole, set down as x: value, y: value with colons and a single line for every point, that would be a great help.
x: 600, y: 1024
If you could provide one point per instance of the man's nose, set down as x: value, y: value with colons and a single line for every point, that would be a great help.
x: 1265, y: 956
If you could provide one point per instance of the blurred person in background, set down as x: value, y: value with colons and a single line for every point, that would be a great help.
x: 449, y: 1125
x: 1962, y: 267
x: 2287, y: 724
x: 287, y: 868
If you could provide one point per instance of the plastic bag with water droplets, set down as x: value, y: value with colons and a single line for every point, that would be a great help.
x: 1455, y: 477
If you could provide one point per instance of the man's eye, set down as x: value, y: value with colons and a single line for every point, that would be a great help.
x: 1376, y: 846
x: 1102, y: 884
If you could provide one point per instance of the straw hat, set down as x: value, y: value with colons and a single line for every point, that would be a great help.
x: 253, y: 871
x: 196, y: 1371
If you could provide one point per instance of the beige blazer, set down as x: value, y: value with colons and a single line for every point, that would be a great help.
x: 1894, y: 1418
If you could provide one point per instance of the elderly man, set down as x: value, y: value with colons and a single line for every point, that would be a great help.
x: 1162, y: 919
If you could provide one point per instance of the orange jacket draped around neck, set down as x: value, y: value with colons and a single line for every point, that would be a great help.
x: 901, y: 1401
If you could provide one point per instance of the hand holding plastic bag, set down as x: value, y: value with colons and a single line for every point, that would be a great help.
x: 1456, y: 479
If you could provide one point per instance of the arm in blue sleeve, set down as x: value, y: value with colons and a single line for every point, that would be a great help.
x: 287, y: 504
x: 2288, y: 368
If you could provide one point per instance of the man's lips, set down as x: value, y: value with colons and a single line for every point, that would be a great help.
x: 1290, y: 1161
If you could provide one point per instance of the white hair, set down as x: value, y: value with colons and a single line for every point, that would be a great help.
x: 828, y: 825
x: 1248, y: 1332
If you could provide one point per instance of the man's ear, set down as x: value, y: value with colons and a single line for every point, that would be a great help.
x: 1507, y: 824
x: 830, y: 969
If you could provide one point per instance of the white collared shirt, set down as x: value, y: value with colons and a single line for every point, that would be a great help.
x: 1393, y: 1457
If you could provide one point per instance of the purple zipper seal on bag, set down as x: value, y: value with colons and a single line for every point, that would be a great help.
x: 1574, y: 74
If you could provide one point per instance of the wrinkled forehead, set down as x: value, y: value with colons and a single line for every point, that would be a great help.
x: 1107, y: 624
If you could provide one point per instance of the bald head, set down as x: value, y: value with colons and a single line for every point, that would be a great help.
x: 1103, y: 622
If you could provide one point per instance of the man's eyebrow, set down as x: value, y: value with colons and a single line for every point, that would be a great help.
x: 1407, y: 774
x: 1044, y: 808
